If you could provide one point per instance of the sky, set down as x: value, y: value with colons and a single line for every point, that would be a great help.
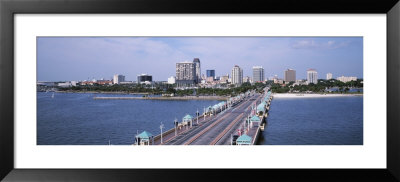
x: 83, y: 58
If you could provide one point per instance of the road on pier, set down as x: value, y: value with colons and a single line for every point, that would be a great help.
x: 217, y: 130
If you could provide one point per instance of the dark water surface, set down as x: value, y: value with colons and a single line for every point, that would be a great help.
x: 78, y: 119
x: 315, y: 121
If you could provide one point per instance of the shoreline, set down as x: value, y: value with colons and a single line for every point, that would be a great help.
x: 291, y: 95
x: 164, y: 98
x: 95, y: 92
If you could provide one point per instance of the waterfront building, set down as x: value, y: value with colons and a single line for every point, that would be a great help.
x: 171, y: 80
x: 104, y: 82
x: 65, y: 84
x: 290, y: 75
x: 186, y: 74
x: 312, y: 76
x: 300, y: 82
x: 126, y: 82
x: 237, y: 75
x: 346, y: 78
x: 247, y: 79
x: 329, y: 76
x: 143, y: 78
x: 196, y: 61
x: 211, y: 73
x: 224, y: 79
x: 209, y: 79
x: 118, y: 79
x: 278, y: 81
x: 258, y: 74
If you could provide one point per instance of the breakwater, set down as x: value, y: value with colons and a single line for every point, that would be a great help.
x: 164, y: 98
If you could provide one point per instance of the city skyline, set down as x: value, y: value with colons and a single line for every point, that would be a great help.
x: 81, y: 58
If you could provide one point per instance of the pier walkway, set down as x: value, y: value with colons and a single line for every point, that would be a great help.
x: 221, y: 124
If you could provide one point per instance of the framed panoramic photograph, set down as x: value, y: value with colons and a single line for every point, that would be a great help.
x: 139, y: 91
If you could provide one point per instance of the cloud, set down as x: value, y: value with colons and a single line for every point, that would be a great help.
x: 104, y: 56
x: 313, y: 44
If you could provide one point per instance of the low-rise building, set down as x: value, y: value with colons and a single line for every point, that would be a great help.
x: 346, y: 78
x: 171, y: 80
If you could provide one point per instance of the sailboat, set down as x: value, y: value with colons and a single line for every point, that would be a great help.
x: 52, y: 96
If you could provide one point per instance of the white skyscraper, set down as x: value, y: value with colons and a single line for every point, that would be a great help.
x: 312, y: 76
x: 329, y: 76
x: 258, y: 74
x: 118, y: 79
x: 237, y: 75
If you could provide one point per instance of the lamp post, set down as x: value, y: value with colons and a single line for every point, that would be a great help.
x: 248, y: 124
x: 176, y: 126
x: 197, y: 114
x: 204, y: 113
x: 161, y: 127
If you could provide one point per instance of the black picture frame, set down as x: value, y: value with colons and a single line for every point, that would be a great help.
x: 8, y: 8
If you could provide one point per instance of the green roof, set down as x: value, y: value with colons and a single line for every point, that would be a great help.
x: 144, y: 135
x: 187, y: 118
x: 261, y: 107
x: 244, y: 139
x: 255, y: 119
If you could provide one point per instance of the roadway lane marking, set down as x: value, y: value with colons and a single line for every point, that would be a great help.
x: 226, y: 130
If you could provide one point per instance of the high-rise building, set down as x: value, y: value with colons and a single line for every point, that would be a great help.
x: 196, y: 61
x: 186, y: 74
x: 312, y: 76
x: 118, y: 79
x: 144, y: 78
x: 290, y: 75
x: 329, y: 76
x: 211, y: 73
x: 237, y: 75
x: 258, y: 74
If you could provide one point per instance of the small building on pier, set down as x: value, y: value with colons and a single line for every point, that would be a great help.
x: 144, y: 138
x: 244, y: 140
x: 261, y: 109
x: 255, y: 119
x: 187, y: 120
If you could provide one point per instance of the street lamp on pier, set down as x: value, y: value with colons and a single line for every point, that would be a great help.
x: 197, y: 114
x: 161, y: 127
x: 204, y: 113
x: 176, y: 126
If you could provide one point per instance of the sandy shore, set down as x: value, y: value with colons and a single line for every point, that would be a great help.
x: 294, y: 95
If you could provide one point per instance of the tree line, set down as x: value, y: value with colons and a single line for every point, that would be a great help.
x: 158, y: 89
x: 321, y: 86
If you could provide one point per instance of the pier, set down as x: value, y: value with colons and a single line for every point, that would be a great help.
x: 236, y: 121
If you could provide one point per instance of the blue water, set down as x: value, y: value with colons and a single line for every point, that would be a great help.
x: 78, y: 119
x: 315, y: 121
